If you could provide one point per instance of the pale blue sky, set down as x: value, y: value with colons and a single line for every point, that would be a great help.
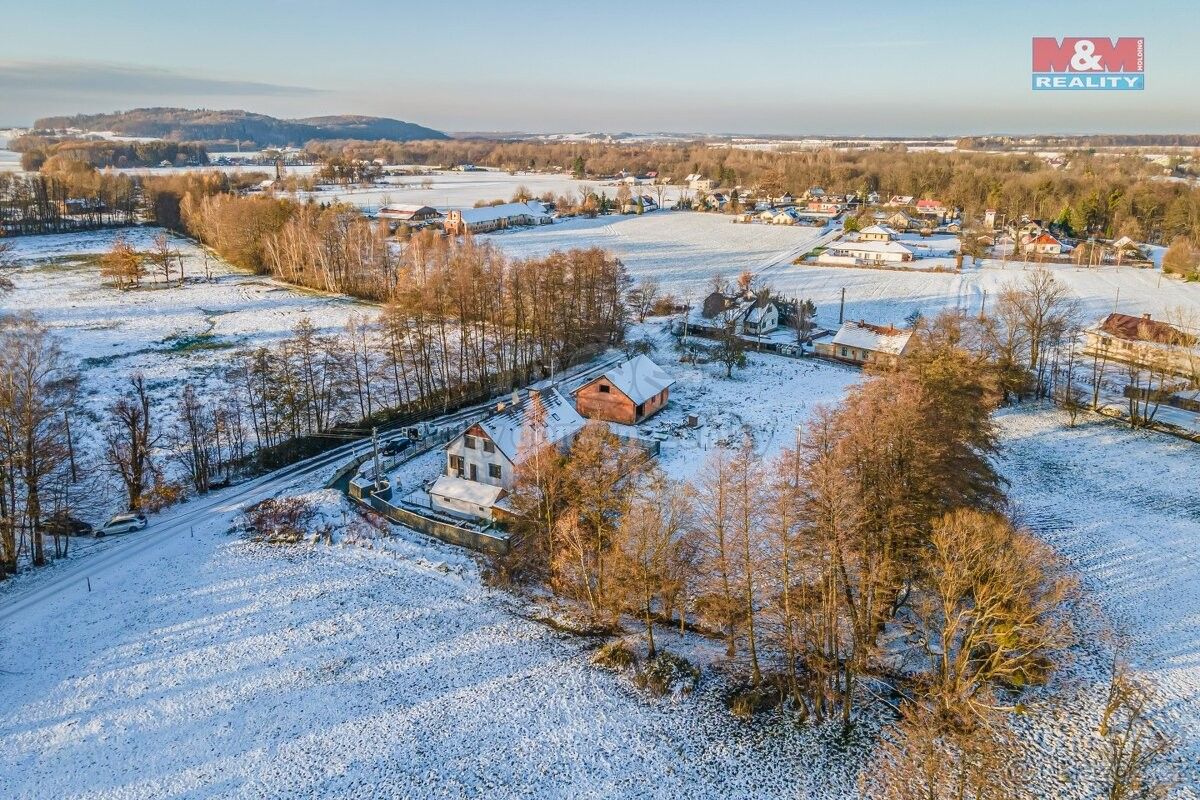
x: 872, y: 68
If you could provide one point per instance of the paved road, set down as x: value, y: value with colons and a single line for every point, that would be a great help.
x: 180, y: 520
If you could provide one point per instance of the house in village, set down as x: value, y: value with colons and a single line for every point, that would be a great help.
x: 900, y: 200
x: 877, y: 233
x: 901, y: 221
x: 1045, y: 245
x: 410, y: 214
x: 873, y: 198
x: 863, y: 343
x: 699, y: 183
x: 481, y: 463
x: 630, y: 206
x: 934, y: 210
x: 826, y: 206
x: 628, y: 394
x: 760, y: 318
x: 492, y: 218
x: 780, y: 216
x: 751, y: 315
x: 1144, y: 341
x: 866, y: 253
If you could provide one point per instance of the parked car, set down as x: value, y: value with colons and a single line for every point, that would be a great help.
x: 63, y: 524
x: 124, y: 523
x: 396, y: 446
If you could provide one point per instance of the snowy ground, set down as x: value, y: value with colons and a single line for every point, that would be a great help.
x: 730, y: 409
x: 684, y: 249
x: 217, y: 668
x: 171, y: 335
x: 1123, y: 507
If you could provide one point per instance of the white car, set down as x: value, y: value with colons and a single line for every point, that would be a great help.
x: 124, y: 523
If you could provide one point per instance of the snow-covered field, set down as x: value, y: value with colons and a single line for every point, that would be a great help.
x: 212, y: 667
x: 171, y: 334
x: 1123, y: 507
x: 463, y: 189
x: 684, y: 249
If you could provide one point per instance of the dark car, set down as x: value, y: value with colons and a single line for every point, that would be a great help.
x: 66, y: 525
x: 396, y: 446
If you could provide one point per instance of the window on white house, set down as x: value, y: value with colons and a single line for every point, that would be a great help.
x: 469, y: 442
x: 489, y: 446
x: 494, y: 471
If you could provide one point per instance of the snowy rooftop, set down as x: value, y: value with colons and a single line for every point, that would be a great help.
x: 509, y: 428
x: 639, y: 378
x: 480, y: 494
x: 532, y: 208
x: 876, y: 338
x: 870, y: 247
x: 879, y: 229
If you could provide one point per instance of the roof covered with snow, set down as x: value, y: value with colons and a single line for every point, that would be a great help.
x: 877, y: 338
x: 455, y: 488
x: 870, y: 247
x: 541, y: 417
x: 639, y: 379
x: 533, y: 208
x: 879, y: 229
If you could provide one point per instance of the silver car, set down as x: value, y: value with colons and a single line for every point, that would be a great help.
x: 124, y: 523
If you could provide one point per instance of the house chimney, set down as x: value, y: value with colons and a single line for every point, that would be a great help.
x: 1146, y: 316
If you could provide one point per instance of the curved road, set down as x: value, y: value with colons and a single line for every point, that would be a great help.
x: 179, y: 521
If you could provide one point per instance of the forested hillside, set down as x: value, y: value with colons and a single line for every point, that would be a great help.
x: 203, y: 125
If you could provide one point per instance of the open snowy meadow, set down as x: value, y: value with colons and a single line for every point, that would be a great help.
x: 683, y: 250
x: 171, y: 333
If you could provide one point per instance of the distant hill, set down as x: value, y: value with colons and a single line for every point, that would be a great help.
x: 201, y: 125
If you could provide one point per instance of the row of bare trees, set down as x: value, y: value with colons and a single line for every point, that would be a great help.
x: 872, y: 564
x: 1036, y: 336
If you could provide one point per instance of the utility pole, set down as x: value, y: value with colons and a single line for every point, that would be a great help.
x: 983, y: 304
x: 842, y: 308
x: 375, y: 453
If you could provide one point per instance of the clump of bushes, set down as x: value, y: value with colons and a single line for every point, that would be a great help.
x: 662, y: 674
x: 667, y: 673
x: 746, y: 701
x: 615, y: 655
x: 279, y: 520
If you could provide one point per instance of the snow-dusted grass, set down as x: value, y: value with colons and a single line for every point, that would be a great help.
x: 460, y: 189
x: 683, y: 250
x: 219, y: 668
x: 1123, y: 507
x: 170, y: 334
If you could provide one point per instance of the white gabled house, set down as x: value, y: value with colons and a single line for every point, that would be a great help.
x: 481, y: 462
x: 866, y: 253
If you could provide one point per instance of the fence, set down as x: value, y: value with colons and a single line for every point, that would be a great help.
x: 460, y: 535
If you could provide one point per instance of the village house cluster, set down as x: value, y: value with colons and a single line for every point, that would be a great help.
x: 482, y: 462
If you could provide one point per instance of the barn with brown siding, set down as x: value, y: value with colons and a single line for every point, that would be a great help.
x: 626, y: 394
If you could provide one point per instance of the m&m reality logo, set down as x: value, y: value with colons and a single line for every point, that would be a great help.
x: 1089, y: 63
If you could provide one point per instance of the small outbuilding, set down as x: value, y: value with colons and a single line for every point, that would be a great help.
x: 626, y: 394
